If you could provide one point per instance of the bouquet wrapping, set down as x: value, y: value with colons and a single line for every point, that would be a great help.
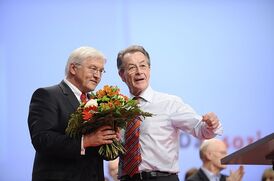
x: 106, y: 107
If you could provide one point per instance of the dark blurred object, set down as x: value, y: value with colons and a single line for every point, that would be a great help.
x: 260, y: 152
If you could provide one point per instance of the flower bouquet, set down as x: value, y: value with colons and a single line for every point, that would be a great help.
x: 106, y: 107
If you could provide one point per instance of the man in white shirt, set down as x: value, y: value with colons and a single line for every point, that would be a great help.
x: 159, y: 134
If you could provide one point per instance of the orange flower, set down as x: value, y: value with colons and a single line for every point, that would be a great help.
x: 125, y: 97
x: 88, y: 112
x: 113, y: 93
x: 100, y: 93
x: 116, y: 102
x: 110, y: 104
x: 86, y: 115
x: 107, y: 89
x: 104, y: 106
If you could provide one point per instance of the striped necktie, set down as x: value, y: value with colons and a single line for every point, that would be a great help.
x: 132, y: 158
x: 83, y: 98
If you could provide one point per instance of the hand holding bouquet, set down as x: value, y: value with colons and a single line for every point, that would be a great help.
x: 106, y: 107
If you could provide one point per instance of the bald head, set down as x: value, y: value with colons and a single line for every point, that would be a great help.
x: 210, y: 146
x: 211, y: 153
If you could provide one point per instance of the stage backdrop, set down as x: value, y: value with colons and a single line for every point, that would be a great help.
x: 218, y: 55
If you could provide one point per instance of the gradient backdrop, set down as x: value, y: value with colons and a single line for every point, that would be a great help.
x: 218, y: 55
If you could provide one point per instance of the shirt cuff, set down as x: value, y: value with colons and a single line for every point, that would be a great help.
x: 83, y: 150
x: 208, y: 133
x: 220, y: 130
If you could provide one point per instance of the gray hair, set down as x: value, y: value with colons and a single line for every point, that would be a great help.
x: 82, y: 53
x: 131, y: 49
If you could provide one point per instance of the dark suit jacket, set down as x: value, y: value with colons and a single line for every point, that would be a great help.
x: 201, y: 176
x: 57, y: 155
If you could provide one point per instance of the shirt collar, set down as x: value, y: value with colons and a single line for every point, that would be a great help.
x: 74, y: 89
x: 210, y: 175
x: 146, y: 95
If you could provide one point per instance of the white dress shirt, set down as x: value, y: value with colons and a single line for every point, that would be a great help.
x: 74, y: 89
x: 77, y: 94
x: 159, y: 134
x: 211, y: 176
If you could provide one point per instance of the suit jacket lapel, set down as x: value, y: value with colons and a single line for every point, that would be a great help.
x: 223, y: 177
x: 69, y: 94
x: 202, y: 175
x: 205, y: 178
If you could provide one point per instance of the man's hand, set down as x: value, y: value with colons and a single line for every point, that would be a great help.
x: 101, y: 136
x: 211, y: 120
x: 118, y: 134
x: 237, y: 175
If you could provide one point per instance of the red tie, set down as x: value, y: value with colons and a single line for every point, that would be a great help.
x: 132, y: 158
x: 83, y: 98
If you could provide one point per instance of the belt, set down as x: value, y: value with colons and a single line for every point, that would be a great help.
x: 146, y: 175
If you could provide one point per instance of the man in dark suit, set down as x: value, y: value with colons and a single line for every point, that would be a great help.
x: 211, y: 152
x: 201, y: 176
x: 58, y: 156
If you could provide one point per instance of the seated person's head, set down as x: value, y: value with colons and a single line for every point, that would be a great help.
x: 190, y: 172
x: 211, y: 153
x: 268, y: 175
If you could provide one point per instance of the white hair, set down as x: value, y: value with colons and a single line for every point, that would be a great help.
x: 82, y: 53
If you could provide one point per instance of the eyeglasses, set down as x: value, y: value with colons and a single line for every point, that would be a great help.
x: 93, y: 69
x: 133, y: 68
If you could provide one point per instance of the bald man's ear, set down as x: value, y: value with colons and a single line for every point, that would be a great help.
x: 208, y: 155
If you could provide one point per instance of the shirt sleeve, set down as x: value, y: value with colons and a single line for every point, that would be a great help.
x: 186, y: 119
x: 83, y: 150
x: 201, y: 131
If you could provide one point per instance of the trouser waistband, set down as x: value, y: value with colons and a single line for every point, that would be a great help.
x: 146, y: 175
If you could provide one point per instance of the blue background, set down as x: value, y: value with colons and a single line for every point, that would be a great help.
x: 217, y: 55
